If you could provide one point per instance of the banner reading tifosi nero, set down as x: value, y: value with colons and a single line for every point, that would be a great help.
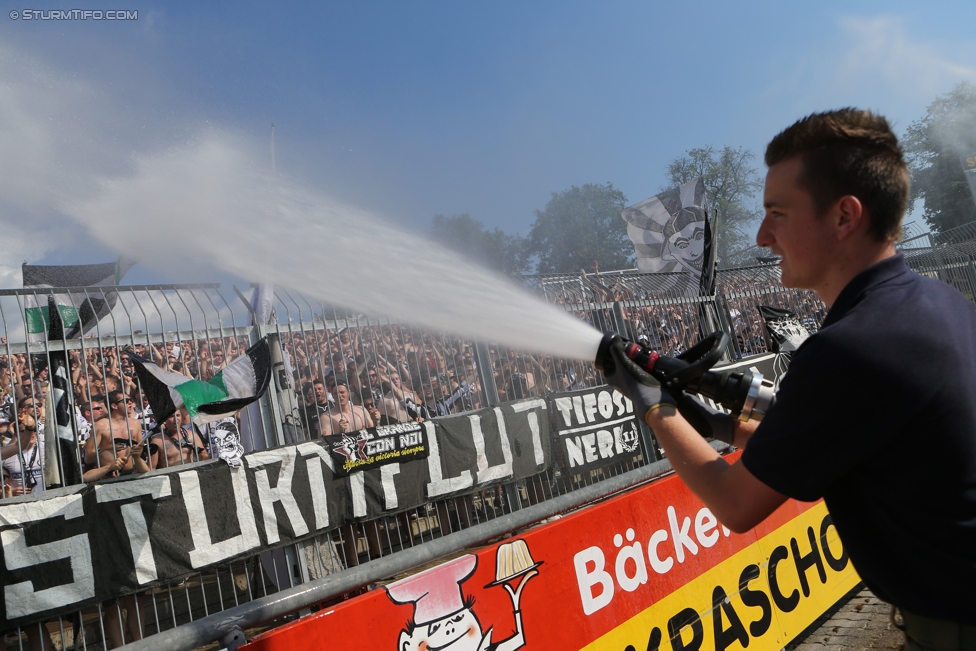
x: 593, y: 427
x: 649, y: 569
x: 67, y: 548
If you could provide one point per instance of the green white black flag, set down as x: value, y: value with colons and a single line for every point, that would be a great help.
x: 80, y: 311
x: 237, y: 385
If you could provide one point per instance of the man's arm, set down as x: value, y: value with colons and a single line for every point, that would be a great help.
x: 158, y: 458
x: 744, y: 432
x: 99, y: 473
x: 91, y: 447
x: 12, y: 448
x: 202, y: 453
x: 367, y: 419
x: 138, y: 463
x: 737, y: 498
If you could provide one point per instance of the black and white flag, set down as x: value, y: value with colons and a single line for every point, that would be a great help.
x: 783, y: 329
x: 593, y: 428
x: 79, y: 311
x: 62, y: 463
x: 669, y: 232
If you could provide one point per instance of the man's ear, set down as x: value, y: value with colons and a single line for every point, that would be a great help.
x: 848, y: 217
x: 404, y: 643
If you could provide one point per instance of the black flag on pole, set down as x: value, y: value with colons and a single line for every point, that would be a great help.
x: 709, y: 263
x: 62, y: 462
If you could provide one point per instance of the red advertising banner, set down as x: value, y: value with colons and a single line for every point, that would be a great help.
x: 649, y: 569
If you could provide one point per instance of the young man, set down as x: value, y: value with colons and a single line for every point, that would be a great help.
x: 116, y: 428
x: 345, y: 416
x: 400, y: 404
x: 116, y: 444
x: 877, y: 414
x: 318, y: 401
x: 176, y: 445
x: 23, y: 456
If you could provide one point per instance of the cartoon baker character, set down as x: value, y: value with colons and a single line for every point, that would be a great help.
x: 443, y: 619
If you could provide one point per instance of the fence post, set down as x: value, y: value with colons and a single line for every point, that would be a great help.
x: 288, y: 422
x: 486, y: 373
x: 621, y: 325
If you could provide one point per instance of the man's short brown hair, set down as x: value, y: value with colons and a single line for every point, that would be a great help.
x: 849, y: 152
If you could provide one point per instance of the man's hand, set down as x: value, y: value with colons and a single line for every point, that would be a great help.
x: 138, y: 463
x: 710, y: 423
x: 374, y: 413
x: 120, y: 460
x: 638, y: 385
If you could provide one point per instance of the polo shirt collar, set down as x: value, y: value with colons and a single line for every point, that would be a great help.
x: 875, y: 275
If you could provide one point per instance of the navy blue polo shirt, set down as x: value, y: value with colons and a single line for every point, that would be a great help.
x: 877, y: 415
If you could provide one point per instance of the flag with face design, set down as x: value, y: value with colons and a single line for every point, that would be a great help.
x: 671, y: 233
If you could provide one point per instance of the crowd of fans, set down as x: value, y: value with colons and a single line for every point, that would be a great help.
x: 348, y: 378
x: 663, y: 317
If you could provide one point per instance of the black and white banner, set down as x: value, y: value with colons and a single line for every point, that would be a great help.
x: 784, y: 331
x: 488, y: 446
x: 593, y: 428
x: 377, y: 446
x: 67, y: 548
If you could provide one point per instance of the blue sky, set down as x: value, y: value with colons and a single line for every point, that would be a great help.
x: 413, y: 109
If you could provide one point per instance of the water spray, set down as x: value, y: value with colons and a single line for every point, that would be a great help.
x: 745, y: 393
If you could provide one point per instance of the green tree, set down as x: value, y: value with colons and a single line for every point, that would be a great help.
x: 494, y: 249
x: 731, y: 185
x: 579, y: 226
x: 933, y: 146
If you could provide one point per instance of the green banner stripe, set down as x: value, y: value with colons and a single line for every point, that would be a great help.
x: 218, y: 381
x: 38, y: 321
x: 196, y: 393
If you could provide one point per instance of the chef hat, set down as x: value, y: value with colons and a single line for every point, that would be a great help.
x: 435, y: 593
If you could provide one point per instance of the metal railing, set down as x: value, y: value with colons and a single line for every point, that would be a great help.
x: 949, y: 256
x: 197, y: 329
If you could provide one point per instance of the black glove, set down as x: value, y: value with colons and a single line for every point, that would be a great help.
x: 637, y: 384
x: 710, y: 423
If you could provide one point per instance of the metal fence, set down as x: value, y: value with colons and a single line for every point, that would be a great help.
x: 196, y: 330
x: 949, y: 256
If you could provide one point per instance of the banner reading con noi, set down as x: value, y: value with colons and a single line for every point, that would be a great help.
x: 377, y: 446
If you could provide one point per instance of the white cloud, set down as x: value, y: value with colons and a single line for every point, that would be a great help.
x: 879, y: 63
x: 882, y: 50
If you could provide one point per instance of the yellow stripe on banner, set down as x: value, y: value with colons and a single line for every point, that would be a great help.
x: 762, y: 597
